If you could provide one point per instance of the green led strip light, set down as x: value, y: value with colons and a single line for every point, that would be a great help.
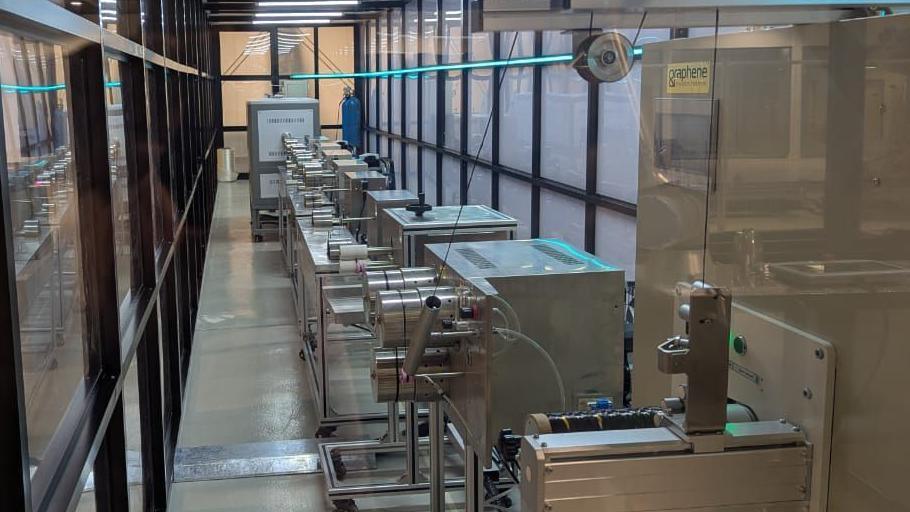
x: 484, y: 64
x: 25, y: 89
x: 529, y: 61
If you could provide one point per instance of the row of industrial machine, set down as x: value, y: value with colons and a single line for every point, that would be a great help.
x: 494, y: 363
x: 771, y: 276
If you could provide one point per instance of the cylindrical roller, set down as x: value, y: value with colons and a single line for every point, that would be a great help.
x: 353, y: 252
x: 420, y: 336
x: 334, y: 244
x: 323, y: 220
x: 394, y: 279
x: 387, y: 386
x: 588, y: 421
x: 397, y: 313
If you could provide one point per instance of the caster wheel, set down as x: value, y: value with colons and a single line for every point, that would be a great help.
x: 302, y: 355
x: 345, y: 506
x: 338, y: 464
x: 257, y: 238
x: 53, y: 364
x: 506, y: 502
x: 323, y: 432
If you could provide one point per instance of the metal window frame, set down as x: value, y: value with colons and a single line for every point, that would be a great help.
x: 173, y: 47
x: 589, y: 195
x: 275, y: 76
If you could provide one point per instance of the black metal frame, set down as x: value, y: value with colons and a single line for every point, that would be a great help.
x: 171, y: 193
x: 274, y: 76
x: 589, y: 195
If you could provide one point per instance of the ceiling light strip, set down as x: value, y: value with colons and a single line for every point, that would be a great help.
x: 310, y: 21
x: 312, y: 14
x: 311, y: 3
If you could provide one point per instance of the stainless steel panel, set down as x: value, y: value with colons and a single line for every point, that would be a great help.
x: 751, y: 480
x: 378, y: 200
x: 353, y: 201
x: 408, y: 233
x: 568, y: 302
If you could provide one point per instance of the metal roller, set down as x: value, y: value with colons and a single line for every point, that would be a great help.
x: 387, y: 386
x: 394, y: 279
x: 398, y: 311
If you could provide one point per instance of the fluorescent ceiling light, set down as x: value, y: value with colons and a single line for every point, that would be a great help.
x: 309, y: 3
x: 311, y: 21
x: 298, y: 14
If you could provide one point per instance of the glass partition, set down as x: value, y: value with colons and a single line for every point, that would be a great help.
x: 236, y: 93
x: 295, y: 51
x: 809, y: 223
x: 120, y: 179
x: 47, y: 245
x: 245, y: 53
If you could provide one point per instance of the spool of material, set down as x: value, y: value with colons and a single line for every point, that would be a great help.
x: 393, y: 279
x: 353, y: 252
x: 604, y: 57
x: 585, y: 421
x: 387, y: 387
x: 398, y: 311
x: 351, y: 266
x: 226, y: 171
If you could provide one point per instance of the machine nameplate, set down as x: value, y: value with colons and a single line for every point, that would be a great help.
x: 689, y: 78
x: 272, y: 123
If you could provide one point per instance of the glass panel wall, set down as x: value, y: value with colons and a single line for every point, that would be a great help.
x: 235, y: 95
x: 73, y: 108
x: 296, y: 50
x: 245, y: 53
x: 47, y: 243
x: 120, y: 179
x: 336, y: 55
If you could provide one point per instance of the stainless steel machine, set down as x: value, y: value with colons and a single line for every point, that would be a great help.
x: 379, y: 200
x: 413, y: 227
x: 410, y: 230
x: 269, y: 119
x: 492, y: 328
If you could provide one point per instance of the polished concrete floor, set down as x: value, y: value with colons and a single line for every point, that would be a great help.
x: 246, y: 383
x: 247, y: 387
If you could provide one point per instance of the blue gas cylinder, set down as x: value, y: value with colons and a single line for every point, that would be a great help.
x: 350, y: 121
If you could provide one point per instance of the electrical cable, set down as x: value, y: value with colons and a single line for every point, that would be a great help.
x: 712, y: 134
x: 511, y: 317
x: 505, y: 464
x: 483, y: 140
x: 362, y: 328
x: 444, y: 396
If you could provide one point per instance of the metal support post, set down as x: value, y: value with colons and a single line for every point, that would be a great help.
x: 437, y: 458
x: 413, y: 443
x: 473, y: 480
x: 394, y: 431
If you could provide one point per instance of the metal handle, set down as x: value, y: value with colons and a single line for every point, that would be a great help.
x: 417, y: 343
